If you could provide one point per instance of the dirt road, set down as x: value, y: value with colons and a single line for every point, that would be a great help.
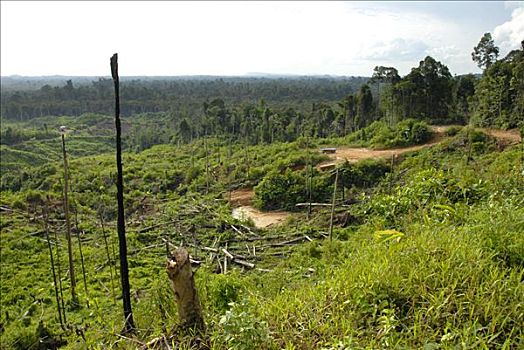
x: 353, y: 155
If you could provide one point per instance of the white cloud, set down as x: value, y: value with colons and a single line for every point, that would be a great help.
x: 509, y: 34
x: 513, y: 4
x: 397, y: 49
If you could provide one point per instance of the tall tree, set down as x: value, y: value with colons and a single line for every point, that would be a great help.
x: 364, y: 106
x: 349, y: 105
x: 464, y: 91
x: 425, y: 93
x: 485, y: 53
x: 124, y: 270
x: 500, y: 93
x: 381, y: 74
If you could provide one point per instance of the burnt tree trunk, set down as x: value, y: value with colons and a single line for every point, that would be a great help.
x: 181, y: 276
x: 124, y: 270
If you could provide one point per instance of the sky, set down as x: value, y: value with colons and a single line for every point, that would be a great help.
x: 236, y: 38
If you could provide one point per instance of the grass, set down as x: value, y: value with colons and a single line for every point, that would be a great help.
x: 449, y: 277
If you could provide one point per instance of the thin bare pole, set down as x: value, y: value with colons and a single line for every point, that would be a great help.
x: 333, y: 207
x: 110, y: 261
x: 81, y: 255
x: 207, y: 164
x: 309, y: 177
x: 68, y: 224
x: 124, y: 269
x: 59, y: 267
x: 46, y: 223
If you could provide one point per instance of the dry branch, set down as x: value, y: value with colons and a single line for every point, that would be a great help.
x: 243, y: 263
x: 228, y: 254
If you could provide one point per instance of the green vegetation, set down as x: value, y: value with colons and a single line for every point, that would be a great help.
x: 419, y: 263
x: 379, y: 135
x: 285, y: 190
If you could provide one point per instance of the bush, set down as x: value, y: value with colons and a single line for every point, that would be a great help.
x: 283, y: 191
x: 454, y: 130
x: 365, y: 173
x: 405, y: 133
x: 242, y: 329
x: 223, y: 290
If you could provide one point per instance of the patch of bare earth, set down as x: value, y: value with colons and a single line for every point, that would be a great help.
x: 242, y: 200
x: 242, y: 197
x: 513, y: 135
x: 260, y: 219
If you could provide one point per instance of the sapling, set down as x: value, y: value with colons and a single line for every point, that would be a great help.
x: 74, y: 297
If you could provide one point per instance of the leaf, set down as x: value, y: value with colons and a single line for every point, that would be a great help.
x: 445, y: 207
x: 388, y: 235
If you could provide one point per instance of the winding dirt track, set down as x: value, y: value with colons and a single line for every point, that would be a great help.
x: 242, y: 199
x: 353, y: 155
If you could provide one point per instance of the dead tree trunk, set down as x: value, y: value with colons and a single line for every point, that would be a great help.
x: 124, y: 270
x: 181, y: 275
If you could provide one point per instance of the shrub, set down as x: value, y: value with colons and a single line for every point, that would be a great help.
x: 405, y: 133
x: 223, y: 290
x: 283, y: 191
x: 242, y: 329
x: 365, y: 173
x: 454, y: 130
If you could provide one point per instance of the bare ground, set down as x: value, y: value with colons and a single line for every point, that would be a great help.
x: 242, y: 200
x: 242, y: 197
x: 260, y: 219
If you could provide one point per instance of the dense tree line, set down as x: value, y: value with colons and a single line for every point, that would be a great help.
x: 265, y: 110
x: 429, y: 92
x: 141, y: 96
x: 499, y: 95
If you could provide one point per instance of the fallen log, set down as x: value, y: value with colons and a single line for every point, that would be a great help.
x: 243, y: 263
x: 281, y: 244
x: 320, y: 205
x: 313, y: 204
x: 228, y: 254
x: 152, y: 227
x: 235, y: 259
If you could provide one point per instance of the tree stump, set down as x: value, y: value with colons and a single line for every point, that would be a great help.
x: 181, y: 276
